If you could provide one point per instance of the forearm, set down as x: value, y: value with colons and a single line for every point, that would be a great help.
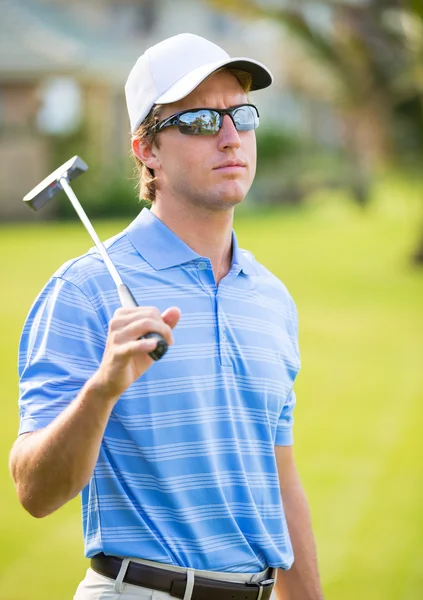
x: 52, y: 465
x: 301, y: 582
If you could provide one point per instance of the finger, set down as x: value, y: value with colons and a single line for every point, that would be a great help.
x: 147, y: 310
x: 124, y: 316
x: 138, y: 328
x: 171, y: 316
x: 134, y: 347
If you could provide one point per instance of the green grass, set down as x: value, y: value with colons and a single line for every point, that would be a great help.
x: 359, y: 394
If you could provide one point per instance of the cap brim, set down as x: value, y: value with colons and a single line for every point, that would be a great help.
x: 262, y: 78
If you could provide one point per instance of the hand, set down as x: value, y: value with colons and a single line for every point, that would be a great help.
x: 126, y: 357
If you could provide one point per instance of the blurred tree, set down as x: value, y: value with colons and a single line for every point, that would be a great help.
x: 363, y: 58
x: 411, y: 21
x: 353, y: 58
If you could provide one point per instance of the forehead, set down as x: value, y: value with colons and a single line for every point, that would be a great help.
x: 220, y: 90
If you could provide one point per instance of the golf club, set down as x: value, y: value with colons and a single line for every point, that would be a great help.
x: 44, y: 192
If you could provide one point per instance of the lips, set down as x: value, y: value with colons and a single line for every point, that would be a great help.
x: 228, y: 164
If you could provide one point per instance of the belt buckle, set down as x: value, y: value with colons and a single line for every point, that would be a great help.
x: 264, y: 583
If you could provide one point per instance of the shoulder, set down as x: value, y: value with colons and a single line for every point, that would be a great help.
x: 88, y: 271
x: 82, y: 290
x: 272, y: 294
x: 84, y: 283
x: 266, y: 279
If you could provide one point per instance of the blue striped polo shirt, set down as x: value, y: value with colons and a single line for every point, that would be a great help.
x: 186, y: 473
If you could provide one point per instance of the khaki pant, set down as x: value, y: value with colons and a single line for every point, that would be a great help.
x: 99, y: 587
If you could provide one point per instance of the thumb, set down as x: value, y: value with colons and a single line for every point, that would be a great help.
x: 171, y: 316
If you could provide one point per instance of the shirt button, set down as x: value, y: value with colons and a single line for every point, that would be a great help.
x: 224, y: 337
x: 202, y: 266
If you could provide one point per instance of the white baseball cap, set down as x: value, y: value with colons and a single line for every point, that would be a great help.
x: 171, y: 69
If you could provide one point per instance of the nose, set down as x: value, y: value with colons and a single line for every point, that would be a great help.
x: 228, y: 136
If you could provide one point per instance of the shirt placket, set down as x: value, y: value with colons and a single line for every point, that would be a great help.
x: 223, y: 330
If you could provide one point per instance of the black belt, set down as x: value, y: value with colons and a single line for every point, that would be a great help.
x: 174, y: 583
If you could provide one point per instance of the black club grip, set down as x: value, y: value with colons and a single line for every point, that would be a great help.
x: 128, y: 301
x: 161, y: 347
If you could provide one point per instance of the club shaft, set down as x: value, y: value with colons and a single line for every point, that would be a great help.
x: 87, y: 223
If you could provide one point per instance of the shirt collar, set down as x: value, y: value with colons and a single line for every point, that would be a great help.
x: 242, y: 258
x: 156, y: 243
x: 163, y: 249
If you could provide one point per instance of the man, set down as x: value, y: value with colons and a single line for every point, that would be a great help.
x: 183, y: 464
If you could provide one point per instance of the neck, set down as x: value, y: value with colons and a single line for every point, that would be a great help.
x: 207, y: 232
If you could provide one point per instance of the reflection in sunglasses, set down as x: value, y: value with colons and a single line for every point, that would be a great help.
x: 206, y: 121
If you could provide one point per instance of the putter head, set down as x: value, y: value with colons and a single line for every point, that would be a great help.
x: 44, y: 191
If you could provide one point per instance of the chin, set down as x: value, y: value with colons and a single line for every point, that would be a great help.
x: 232, y: 195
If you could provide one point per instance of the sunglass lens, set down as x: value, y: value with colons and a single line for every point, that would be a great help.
x: 246, y: 118
x: 199, y: 122
x: 207, y: 121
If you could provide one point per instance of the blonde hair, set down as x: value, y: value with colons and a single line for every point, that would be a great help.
x: 146, y: 132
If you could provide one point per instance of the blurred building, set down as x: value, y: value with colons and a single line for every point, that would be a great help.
x: 63, y: 66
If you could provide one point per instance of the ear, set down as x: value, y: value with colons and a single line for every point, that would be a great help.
x: 146, y: 153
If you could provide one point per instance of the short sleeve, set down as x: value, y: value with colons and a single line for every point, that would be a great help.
x: 284, y: 430
x: 284, y: 434
x: 61, y: 346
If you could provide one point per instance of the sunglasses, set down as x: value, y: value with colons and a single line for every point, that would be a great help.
x: 208, y: 121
